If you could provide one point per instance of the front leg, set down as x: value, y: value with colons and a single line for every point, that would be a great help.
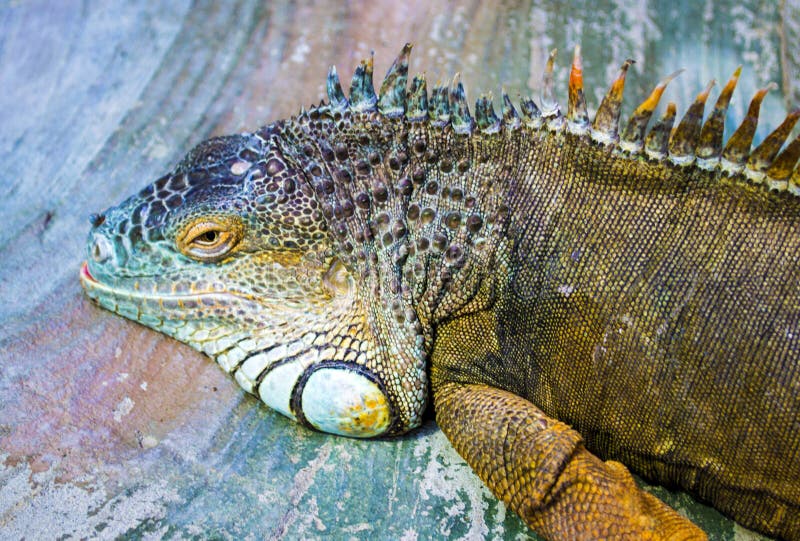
x: 540, y: 469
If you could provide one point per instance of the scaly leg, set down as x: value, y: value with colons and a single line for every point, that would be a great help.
x: 540, y: 469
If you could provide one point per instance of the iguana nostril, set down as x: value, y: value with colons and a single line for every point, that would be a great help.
x: 101, y: 249
x: 97, y: 219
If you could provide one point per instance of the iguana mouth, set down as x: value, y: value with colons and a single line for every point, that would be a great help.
x: 98, y: 290
x: 86, y: 276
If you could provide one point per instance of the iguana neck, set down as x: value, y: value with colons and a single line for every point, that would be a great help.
x: 418, y: 213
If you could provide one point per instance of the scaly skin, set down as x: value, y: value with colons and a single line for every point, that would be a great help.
x: 539, y: 269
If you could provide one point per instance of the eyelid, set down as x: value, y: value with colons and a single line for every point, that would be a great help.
x: 230, y: 232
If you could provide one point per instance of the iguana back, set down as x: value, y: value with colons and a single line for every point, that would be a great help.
x: 653, y: 309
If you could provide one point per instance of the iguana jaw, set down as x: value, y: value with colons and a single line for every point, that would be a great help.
x: 200, y: 316
x: 106, y: 294
x: 140, y: 305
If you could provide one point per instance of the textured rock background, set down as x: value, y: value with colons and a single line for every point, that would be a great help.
x: 107, y: 428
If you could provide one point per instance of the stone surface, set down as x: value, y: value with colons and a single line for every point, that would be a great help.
x: 109, y: 429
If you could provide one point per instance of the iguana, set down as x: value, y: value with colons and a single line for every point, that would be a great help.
x: 569, y: 296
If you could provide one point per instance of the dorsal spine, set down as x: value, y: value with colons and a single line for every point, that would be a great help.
x: 692, y: 142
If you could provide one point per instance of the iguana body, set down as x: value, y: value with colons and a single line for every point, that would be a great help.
x: 348, y: 262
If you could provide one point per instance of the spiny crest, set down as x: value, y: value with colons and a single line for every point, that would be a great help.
x: 439, y: 112
x: 460, y: 118
x: 709, y: 145
x: 577, y: 116
x: 691, y: 142
x: 392, y: 102
x: 533, y: 116
x: 362, y: 93
x: 657, y: 141
x: 633, y: 136
x: 684, y: 140
x: 606, y: 121
x: 510, y: 116
x: 417, y: 107
x: 550, y: 108
x: 487, y: 120
x: 738, y: 147
x: 335, y: 92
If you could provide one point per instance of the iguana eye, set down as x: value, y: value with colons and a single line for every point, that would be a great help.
x: 210, y: 239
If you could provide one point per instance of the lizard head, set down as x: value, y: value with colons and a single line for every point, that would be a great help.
x: 228, y: 243
x: 230, y: 254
